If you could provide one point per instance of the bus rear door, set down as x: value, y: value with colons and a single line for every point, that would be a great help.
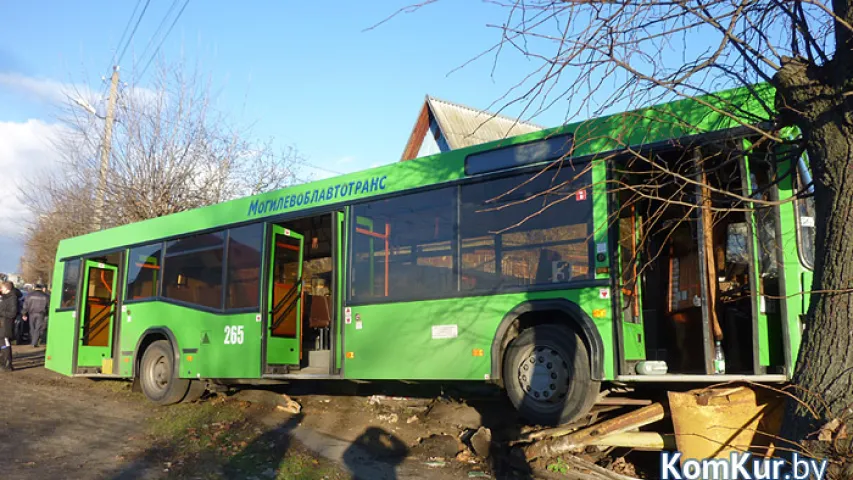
x: 284, y: 302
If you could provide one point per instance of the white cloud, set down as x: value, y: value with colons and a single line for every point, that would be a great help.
x: 26, y: 149
x: 55, y: 92
x: 45, y: 89
x: 344, y: 160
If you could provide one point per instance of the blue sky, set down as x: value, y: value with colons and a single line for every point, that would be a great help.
x: 303, y: 73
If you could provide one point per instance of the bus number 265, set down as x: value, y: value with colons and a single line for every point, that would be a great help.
x: 233, y: 335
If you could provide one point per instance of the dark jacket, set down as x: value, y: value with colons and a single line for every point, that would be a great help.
x: 36, y: 303
x: 20, y: 296
x: 8, y: 312
x: 8, y: 306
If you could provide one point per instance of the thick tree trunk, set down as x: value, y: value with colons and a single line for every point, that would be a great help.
x: 815, y: 101
x: 825, y: 365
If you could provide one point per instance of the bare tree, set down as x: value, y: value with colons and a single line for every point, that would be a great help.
x: 794, y: 59
x: 171, y: 151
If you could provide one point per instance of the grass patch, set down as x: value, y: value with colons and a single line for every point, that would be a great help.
x: 197, y: 426
x: 217, y: 439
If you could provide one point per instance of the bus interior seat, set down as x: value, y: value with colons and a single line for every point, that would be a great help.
x: 319, y: 318
x: 545, y: 268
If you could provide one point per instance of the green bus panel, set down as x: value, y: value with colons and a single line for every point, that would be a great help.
x: 59, y: 355
x: 240, y: 357
x: 634, y: 338
x: 442, y: 339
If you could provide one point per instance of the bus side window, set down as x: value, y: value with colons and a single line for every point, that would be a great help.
x: 192, y: 269
x: 526, y: 230
x: 70, y: 277
x: 403, y: 247
x: 805, y: 221
x: 143, y: 271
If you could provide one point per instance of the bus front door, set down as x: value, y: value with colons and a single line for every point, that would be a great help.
x: 98, y: 313
x: 284, y: 302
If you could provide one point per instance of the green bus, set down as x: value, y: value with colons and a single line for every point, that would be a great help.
x: 514, y: 262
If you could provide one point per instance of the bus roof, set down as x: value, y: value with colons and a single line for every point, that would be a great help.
x: 604, y: 134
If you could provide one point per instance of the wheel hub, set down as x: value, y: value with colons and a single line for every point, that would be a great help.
x: 544, y: 375
x: 160, y: 373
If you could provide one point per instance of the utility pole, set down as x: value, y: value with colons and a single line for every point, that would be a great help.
x: 105, y: 151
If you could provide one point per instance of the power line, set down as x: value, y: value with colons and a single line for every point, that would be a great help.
x: 126, y: 28
x: 121, y: 40
x: 153, y: 55
x: 159, y: 28
x: 132, y: 33
x: 305, y: 163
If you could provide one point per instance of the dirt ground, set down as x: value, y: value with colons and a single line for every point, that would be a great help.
x: 55, y: 427
x: 58, y: 427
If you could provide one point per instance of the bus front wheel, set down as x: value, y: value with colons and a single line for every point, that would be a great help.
x: 546, y: 372
x: 158, y: 375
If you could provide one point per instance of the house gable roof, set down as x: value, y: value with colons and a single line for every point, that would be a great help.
x: 462, y: 126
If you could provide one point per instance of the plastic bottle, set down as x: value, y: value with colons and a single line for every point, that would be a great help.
x: 652, y: 367
x: 719, y: 359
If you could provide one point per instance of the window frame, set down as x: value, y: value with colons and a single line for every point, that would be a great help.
x: 222, y: 248
x: 125, y: 248
x: 158, y: 287
x: 454, y: 250
x: 77, y: 287
x: 472, y: 160
x: 804, y: 260
x: 575, y: 163
x: 576, y: 167
x: 263, y: 255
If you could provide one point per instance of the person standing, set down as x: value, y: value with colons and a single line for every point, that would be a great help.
x: 35, y: 312
x: 8, y: 313
x: 20, y: 324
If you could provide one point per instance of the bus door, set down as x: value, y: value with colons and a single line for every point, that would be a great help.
x: 284, y: 301
x: 98, y: 313
x: 770, y: 335
x: 633, y: 335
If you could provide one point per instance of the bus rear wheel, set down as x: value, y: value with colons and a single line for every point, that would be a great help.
x: 546, y: 372
x: 158, y: 376
x: 196, y: 390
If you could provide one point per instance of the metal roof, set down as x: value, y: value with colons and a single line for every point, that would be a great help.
x: 465, y: 126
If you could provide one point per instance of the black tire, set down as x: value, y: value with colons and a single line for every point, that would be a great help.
x: 158, y: 375
x: 196, y: 390
x: 546, y: 373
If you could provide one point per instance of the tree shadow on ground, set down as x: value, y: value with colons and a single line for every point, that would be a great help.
x: 488, y: 403
x: 260, y: 457
x: 265, y: 453
x: 375, y: 455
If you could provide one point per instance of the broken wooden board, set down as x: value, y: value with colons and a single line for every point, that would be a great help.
x: 554, y: 447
